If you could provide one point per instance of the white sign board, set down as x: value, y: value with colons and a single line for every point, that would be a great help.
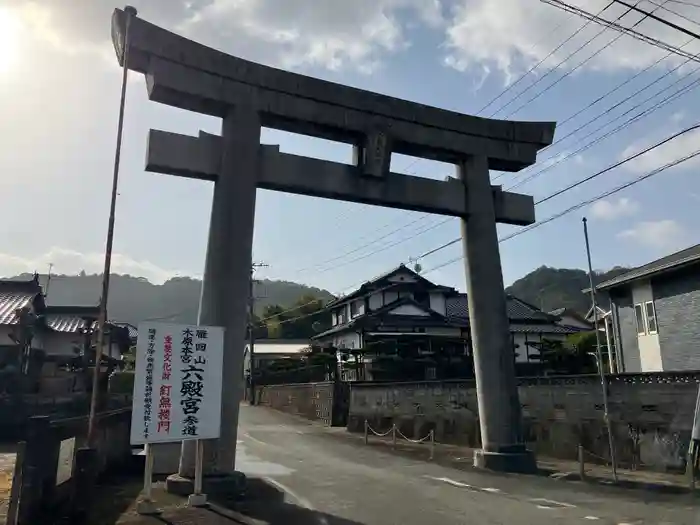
x: 177, y: 387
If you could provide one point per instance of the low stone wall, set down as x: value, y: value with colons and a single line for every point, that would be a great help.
x: 314, y: 401
x: 652, y: 415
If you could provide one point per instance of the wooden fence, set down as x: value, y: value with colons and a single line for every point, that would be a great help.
x: 55, y: 472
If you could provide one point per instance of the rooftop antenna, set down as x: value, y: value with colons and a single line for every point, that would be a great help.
x: 48, y: 281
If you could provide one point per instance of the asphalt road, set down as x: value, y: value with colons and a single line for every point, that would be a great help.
x: 336, y: 481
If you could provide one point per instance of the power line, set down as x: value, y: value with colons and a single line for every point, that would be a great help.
x: 576, y: 184
x: 581, y: 205
x: 642, y: 114
x: 557, y: 215
x: 621, y: 102
x: 685, y: 2
x: 528, y: 88
x: 388, y: 246
x: 561, y: 62
x: 659, y: 19
x: 560, y: 124
x: 539, y: 94
x: 680, y: 15
x: 538, y: 64
x: 553, y: 217
x: 631, y: 32
x: 534, y: 67
x: 357, y: 249
x: 582, y: 63
x: 617, y: 164
x: 630, y: 121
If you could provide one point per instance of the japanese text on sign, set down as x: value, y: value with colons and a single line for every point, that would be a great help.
x: 178, y: 366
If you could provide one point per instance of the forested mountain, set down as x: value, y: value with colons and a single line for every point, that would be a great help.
x: 551, y: 288
x: 133, y: 299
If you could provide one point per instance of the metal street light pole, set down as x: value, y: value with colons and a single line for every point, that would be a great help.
x: 251, y: 334
x: 130, y: 13
x: 599, y: 356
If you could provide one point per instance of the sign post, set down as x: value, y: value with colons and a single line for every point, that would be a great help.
x: 177, y: 394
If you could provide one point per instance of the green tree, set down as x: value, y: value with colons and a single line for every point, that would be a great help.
x: 303, y: 320
x: 559, y: 357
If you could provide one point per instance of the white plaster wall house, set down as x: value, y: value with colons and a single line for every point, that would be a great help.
x: 402, y: 309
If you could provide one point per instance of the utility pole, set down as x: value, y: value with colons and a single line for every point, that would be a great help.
x: 130, y: 13
x: 599, y: 356
x: 251, y: 331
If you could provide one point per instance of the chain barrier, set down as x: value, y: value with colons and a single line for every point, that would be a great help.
x: 395, y: 432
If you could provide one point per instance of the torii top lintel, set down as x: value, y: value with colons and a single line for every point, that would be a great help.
x: 185, y: 74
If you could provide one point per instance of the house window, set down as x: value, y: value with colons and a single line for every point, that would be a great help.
x: 334, y: 318
x: 341, y: 315
x: 357, y: 308
x: 639, y: 316
x: 651, y: 317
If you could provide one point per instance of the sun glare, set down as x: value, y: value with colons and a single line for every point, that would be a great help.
x: 9, y: 39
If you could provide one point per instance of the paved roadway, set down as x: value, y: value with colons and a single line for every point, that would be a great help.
x: 333, y: 480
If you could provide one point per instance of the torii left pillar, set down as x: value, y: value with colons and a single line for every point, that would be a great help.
x: 225, y: 284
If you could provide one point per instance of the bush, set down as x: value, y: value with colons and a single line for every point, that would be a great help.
x: 121, y: 383
x: 584, y: 342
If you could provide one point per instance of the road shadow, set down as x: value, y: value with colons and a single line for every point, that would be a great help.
x: 266, y: 503
x: 114, y: 495
x: 8, y: 447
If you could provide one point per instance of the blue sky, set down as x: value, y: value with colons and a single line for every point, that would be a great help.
x: 59, y: 91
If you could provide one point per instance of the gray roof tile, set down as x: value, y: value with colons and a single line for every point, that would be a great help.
x: 669, y: 262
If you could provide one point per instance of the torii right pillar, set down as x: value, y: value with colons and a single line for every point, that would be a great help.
x: 500, y: 417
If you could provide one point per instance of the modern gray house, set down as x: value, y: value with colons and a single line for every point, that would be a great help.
x: 655, y: 313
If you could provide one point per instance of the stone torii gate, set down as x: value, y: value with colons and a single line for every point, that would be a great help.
x: 248, y: 96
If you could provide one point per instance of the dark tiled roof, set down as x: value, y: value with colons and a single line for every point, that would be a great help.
x: 133, y: 331
x: 67, y: 323
x: 675, y: 260
x: 10, y: 302
x: 15, y: 295
x: 547, y: 328
x: 71, y: 319
x: 456, y: 307
x: 371, y: 285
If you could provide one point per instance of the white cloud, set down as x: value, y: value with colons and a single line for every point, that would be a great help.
x: 506, y: 36
x: 71, y: 262
x: 678, y: 117
x: 295, y: 33
x: 671, y: 151
x: 513, y: 35
x: 332, y: 34
x: 665, y: 234
x: 613, y: 209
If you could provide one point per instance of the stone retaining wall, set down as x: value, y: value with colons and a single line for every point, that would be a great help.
x: 652, y: 415
x: 314, y: 401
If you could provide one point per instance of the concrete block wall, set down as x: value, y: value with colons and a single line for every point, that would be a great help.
x: 313, y: 401
x: 652, y: 419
